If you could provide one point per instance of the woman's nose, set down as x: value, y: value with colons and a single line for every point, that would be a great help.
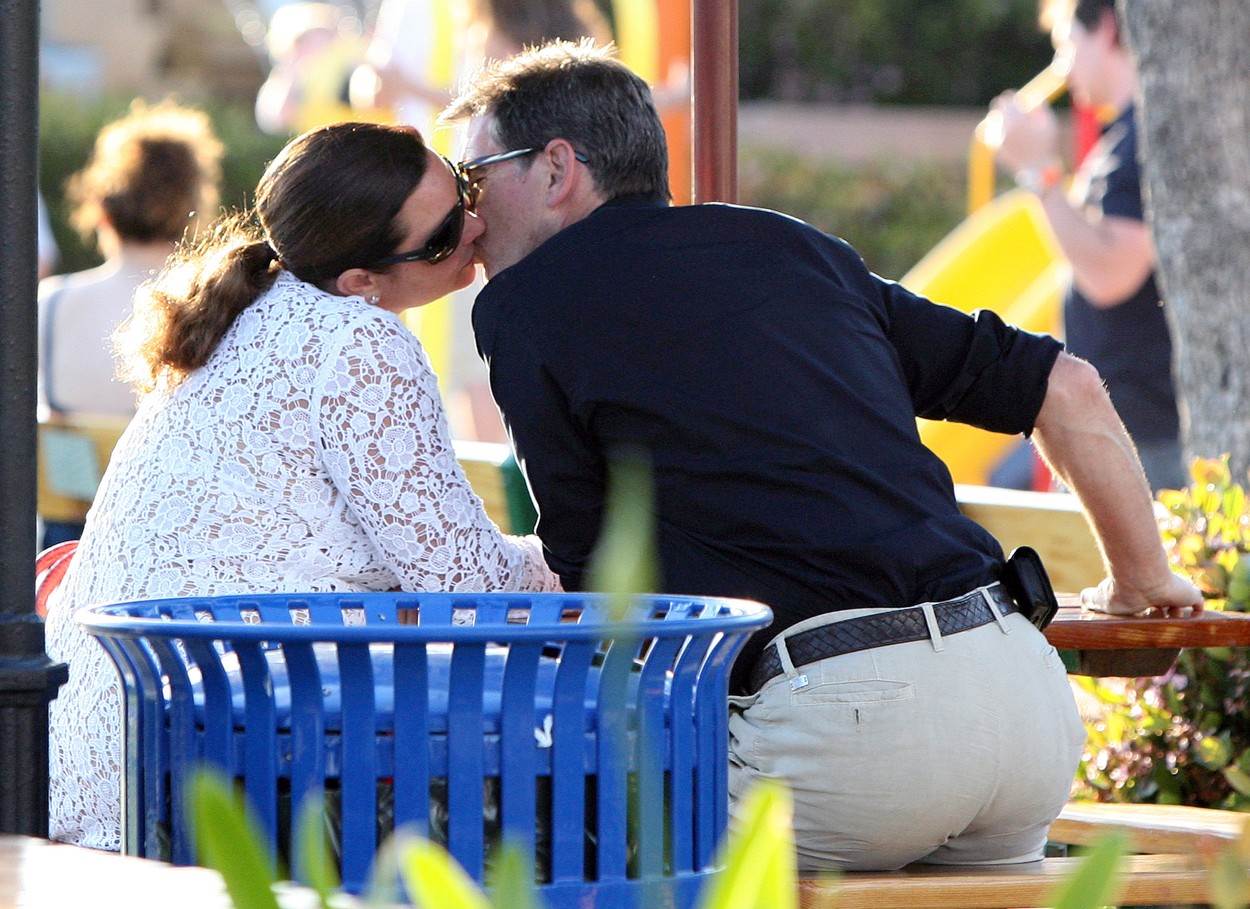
x: 473, y: 227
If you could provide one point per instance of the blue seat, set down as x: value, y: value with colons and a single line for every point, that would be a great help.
x: 599, y: 748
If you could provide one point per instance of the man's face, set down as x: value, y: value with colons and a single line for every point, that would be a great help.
x: 1086, y: 52
x: 510, y: 201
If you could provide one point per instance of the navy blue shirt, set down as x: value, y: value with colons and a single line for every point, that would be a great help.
x: 1129, y: 342
x: 775, y: 383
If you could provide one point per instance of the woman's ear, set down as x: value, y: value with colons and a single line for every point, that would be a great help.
x: 356, y: 282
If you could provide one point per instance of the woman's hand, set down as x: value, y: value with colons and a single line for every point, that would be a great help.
x: 1174, y: 598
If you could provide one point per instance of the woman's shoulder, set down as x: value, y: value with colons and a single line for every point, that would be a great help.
x: 292, y: 303
x: 298, y: 321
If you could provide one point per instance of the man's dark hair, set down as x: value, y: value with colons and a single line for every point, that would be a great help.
x: 578, y: 92
x: 1089, y: 12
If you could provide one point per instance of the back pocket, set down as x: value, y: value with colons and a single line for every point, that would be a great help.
x: 865, y: 691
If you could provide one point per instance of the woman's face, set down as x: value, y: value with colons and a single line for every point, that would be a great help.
x: 410, y: 284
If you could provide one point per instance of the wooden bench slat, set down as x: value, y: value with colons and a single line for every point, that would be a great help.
x: 1150, y: 828
x: 1145, y: 880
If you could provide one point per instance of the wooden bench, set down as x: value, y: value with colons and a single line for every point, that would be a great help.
x: 1152, y: 829
x: 1145, y: 880
x: 72, y: 456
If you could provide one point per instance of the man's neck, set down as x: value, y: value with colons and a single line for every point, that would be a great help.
x: 1121, y: 86
x: 578, y: 209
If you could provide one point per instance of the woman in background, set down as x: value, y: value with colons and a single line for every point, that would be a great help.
x: 151, y: 175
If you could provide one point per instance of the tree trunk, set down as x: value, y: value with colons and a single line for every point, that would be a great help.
x: 1194, y: 64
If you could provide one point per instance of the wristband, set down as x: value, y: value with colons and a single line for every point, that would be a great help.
x: 1038, y: 180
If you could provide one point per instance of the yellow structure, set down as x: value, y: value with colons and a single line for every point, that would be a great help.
x: 1005, y: 258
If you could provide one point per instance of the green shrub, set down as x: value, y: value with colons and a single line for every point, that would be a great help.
x: 891, y: 212
x: 897, y: 51
x: 67, y: 129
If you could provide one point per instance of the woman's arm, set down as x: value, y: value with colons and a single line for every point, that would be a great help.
x: 386, y: 445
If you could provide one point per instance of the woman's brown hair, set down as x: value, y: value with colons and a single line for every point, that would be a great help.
x: 328, y: 202
x: 151, y: 175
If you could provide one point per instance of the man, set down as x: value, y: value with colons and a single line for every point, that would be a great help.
x: 776, y: 382
x: 1113, y: 316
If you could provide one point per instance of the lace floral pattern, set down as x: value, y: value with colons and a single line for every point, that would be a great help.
x: 311, y: 453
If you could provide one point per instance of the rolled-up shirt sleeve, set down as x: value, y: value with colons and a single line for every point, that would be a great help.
x: 968, y: 368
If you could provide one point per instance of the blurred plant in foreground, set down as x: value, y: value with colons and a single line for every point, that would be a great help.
x: 1184, y: 738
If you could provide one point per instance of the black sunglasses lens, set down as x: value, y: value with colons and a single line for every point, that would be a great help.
x: 446, y: 238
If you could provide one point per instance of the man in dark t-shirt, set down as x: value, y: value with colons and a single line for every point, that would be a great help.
x: 1113, y: 316
x: 776, y: 382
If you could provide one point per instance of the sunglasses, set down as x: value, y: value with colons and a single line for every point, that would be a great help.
x: 470, y: 171
x: 445, y: 238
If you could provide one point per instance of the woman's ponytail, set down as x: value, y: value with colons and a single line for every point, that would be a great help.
x: 328, y: 202
x: 181, y: 316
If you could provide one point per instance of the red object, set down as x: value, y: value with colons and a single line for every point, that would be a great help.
x: 1043, y: 479
x: 714, y: 75
x: 1086, y: 131
x: 50, y: 568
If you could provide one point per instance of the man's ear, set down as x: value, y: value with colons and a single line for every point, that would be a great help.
x: 563, y: 174
x: 356, y: 282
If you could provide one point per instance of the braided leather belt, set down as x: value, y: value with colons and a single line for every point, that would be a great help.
x: 898, y: 626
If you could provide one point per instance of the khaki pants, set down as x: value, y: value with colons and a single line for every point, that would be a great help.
x: 955, y: 750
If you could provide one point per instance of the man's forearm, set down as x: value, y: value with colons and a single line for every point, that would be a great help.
x: 1110, y: 258
x: 1081, y: 437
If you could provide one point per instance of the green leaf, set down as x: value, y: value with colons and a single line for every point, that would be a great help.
x: 383, y: 890
x: 758, y: 858
x: 1229, y: 888
x: 624, y: 561
x: 434, y: 879
x: 226, y: 840
x: 1093, y: 881
x: 1214, y: 751
x: 512, y: 880
x: 314, y: 852
x: 1238, y: 779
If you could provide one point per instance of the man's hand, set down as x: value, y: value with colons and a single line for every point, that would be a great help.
x: 1027, y: 139
x: 1174, y: 598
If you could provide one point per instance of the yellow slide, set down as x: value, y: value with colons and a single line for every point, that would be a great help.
x: 1003, y: 258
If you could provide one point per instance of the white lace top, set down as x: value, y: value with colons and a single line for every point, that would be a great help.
x: 311, y: 453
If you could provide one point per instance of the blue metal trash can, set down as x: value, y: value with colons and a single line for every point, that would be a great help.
x: 598, y: 747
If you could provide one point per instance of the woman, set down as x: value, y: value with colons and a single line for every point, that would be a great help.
x: 292, y: 438
x: 149, y: 173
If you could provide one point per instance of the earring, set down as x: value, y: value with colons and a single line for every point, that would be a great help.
x: 374, y: 299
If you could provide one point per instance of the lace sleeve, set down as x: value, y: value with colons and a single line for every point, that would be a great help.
x: 385, y: 443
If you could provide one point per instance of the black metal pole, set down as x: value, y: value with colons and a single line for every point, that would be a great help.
x: 28, y: 679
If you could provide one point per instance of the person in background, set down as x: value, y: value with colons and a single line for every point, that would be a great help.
x: 312, y: 56
x: 1113, y: 315
x: 151, y: 176
x: 502, y: 28
x: 291, y: 437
